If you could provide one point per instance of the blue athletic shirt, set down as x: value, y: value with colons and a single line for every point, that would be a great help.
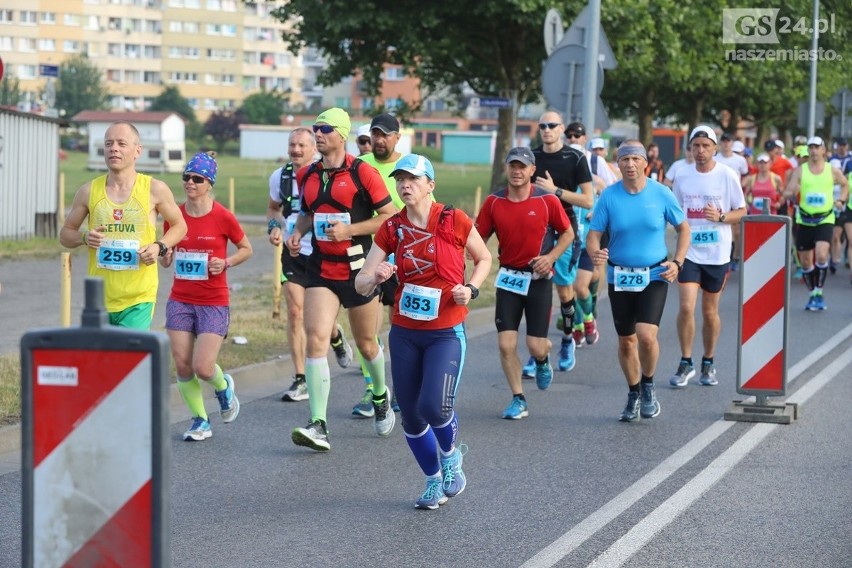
x: 637, y: 225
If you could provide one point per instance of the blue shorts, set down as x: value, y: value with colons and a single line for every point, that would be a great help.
x: 197, y: 319
x: 711, y: 277
x: 585, y: 262
x: 565, y: 268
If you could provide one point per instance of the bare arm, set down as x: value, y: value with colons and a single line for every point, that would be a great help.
x: 244, y: 251
x: 69, y: 235
x: 542, y: 264
x: 841, y: 180
x: 273, y: 213
x: 343, y: 232
x: 793, y: 185
x: 164, y: 203
x: 376, y: 270
x: 474, y: 248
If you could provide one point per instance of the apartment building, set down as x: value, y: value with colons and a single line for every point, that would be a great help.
x: 216, y: 52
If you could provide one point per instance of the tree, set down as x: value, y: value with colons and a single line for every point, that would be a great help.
x: 80, y: 86
x: 171, y: 100
x: 10, y: 91
x: 265, y: 107
x: 493, y: 47
x: 223, y: 126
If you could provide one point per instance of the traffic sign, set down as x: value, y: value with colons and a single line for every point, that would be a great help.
x: 577, y: 33
x: 563, y: 84
x: 48, y: 70
x: 494, y: 102
x: 553, y: 30
x: 802, y: 119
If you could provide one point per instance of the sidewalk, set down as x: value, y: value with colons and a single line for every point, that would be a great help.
x: 253, y: 382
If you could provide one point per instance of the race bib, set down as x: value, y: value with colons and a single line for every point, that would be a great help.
x: 705, y: 237
x: 758, y: 203
x: 191, y: 265
x: 514, y: 281
x: 631, y: 279
x: 118, y: 255
x: 815, y: 200
x: 419, y: 302
x: 323, y: 221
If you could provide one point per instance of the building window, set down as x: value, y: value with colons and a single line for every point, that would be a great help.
x: 229, y: 79
x: 194, y: 4
x: 214, y: 5
x: 151, y: 51
x: 190, y: 27
x: 342, y: 102
x: 70, y: 46
x: 151, y: 78
x: 6, y: 43
x: 71, y: 20
x: 28, y: 17
x: 192, y: 52
x: 229, y: 30
x: 101, y: 152
x: 92, y: 23
x: 175, y: 52
x: 393, y: 103
x: 154, y: 154
x: 7, y: 17
x: 27, y: 44
x: 214, y: 29
x: 229, y: 5
x: 394, y: 74
x: 176, y: 154
x: 47, y: 18
x: 175, y: 26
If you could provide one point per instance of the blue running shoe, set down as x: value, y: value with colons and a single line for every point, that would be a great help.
x: 649, y: 405
x: 708, y: 375
x: 544, y: 373
x: 528, y: 372
x: 433, y: 497
x: 813, y: 304
x: 451, y: 469
x: 199, y: 430
x: 229, y: 404
x: 631, y: 412
x: 517, y: 409
x: 820, y: 302
x: 680, y: 379
x: 566, y: 354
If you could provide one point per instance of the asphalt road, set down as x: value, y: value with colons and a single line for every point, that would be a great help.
x: 568, y: 486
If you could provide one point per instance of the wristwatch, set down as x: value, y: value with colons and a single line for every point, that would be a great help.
x: 163, y: 248
x: 678, y: 264
x: 722, y: 218
x: 474, y: 291
x: 559, y: 191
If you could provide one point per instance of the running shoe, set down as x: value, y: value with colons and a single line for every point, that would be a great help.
x: 297, y: 391
x: 566, y: 355
x: 342, y: 349
x: 579, y: 337
x: 649, y: 406
x: 433, y: 497
x: 680, y: 379
x: 229, y: 404
x: 820, y: 302
x: 384, y: 417
x: 813, y: 304
x: 591, y: 331
x: 517, y: 409
x: 528, y: 372
x: 708, y: 375
x: 832, y: 267
x: 313, y: 436
x: 544, y: 373
x: 364, y: 407
x: 631, y: 412
x: 451, y: 470
x: 199, y: 430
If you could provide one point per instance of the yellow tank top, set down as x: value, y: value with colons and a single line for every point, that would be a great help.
x: 816, y: 197
x: 127, y: 282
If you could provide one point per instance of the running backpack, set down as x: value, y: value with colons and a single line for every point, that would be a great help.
x: 449, y: 264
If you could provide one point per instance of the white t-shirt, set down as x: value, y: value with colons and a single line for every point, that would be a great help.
x: 710, y: 241
x: 290, y: 221
x: 606, y: 174
x: 675, y: 168
x: 735, y: 162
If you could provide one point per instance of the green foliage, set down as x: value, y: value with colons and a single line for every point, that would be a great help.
x: 265, y: 107
x: 10, y: 91
x: 171, y: 100
x: 223, y: 126
x: 80, y: 86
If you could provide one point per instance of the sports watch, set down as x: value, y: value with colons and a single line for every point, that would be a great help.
x: 163, y: 248
x: 474, y: 291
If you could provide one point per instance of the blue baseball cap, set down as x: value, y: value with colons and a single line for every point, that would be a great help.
x: 416, y: 165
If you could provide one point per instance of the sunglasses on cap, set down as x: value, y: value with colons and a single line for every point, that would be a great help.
x: 548, y: 125
x: 574, y: 134
x: 324, y: 128
x: 195, y: 179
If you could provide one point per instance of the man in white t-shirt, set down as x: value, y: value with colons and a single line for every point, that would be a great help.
x: 712, y: 198
x: 678, y: 165
x: 727, y: 156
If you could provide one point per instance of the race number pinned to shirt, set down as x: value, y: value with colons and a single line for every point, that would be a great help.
x: 323, y: 221
x: 631, y: 279
x: 815, y: 200
x: 419, y: 302
x: 118, y: 255
x: 515, y: 281
x: 191, y: 265
x: 758, y: 203
x: 705, y: 236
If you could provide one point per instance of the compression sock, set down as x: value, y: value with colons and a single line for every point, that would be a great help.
x: 376, y: 370
x: 567, y: 310
x: 367, y: 378
x: 424, y: 446
x: 446, y: 434
x: 586, y: 308
x: 809, y: 277
x: 218, y: 381
x: 593, y: 292
x: 190, y: 392
x: 318, y: 380
x: 822, y: 272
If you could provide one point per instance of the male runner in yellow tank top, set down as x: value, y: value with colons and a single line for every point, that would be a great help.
x: 122, y: 209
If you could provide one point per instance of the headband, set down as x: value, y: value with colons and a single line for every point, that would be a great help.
x: 624, y: 151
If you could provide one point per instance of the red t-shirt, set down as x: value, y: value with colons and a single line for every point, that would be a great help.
x: 781, y: 166
x: 328, y: 193
x: 526, y: 229
x: 416, y: 264
x: 208, y: 235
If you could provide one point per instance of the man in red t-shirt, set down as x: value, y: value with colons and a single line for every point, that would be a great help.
x: 339, y: 197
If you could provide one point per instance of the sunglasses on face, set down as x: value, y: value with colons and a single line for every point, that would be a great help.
x: 324, y: 128
x: 575, y: 134
x: 195, y: 179
x: 548, y: 125
x: 364, y: 140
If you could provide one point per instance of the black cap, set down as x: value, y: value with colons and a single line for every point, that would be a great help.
x: 726, y: 136
x: 521, y: 154
x: 387, y: 123
x: 770, y: 145
x: 576, y: 128
x: 841, y: 141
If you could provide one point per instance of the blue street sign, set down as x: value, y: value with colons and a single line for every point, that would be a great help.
x: 494, y: 102
x: 48, y: 70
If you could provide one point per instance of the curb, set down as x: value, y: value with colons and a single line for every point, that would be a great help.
x: 255, y: 381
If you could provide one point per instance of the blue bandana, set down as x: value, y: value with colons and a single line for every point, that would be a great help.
x: 202, y: 164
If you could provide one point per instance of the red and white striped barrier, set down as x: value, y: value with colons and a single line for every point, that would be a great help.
x: 764, y: 300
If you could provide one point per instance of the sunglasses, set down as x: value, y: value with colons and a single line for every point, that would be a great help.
x: 324, y: 128
x: 195, y: 179
x: 364, y: 140
x: 575, y: 134
x: 548, y: 125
